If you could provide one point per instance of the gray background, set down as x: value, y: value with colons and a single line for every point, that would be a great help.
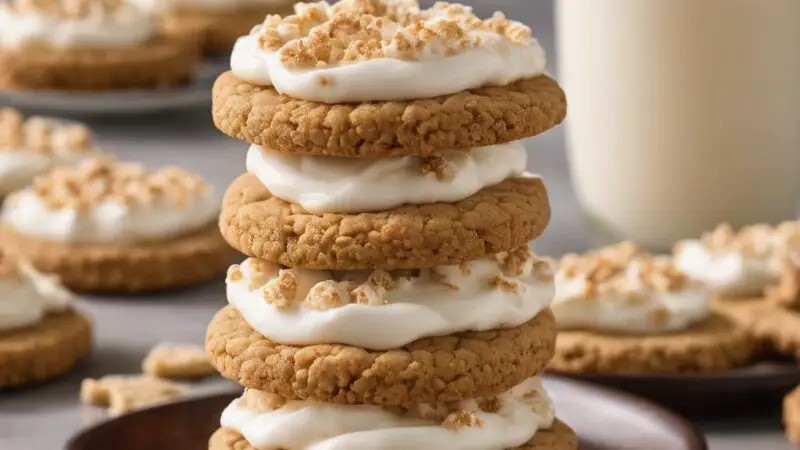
x: 126, y: 327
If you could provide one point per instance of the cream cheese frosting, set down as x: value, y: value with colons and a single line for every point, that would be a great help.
x: 33, y: 146
x: 204, y: 5
x: 380, y: 50
x: 74, y: 23
x: 101, y: 201
x: 738, y: 264
x: 26, y: 296
x: 327, y: 184
x: 383, y: 310
x: 622, y: 289
x: 270, y: 422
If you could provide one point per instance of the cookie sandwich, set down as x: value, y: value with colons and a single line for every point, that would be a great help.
x: 88, y: 45
x: 33, y: 146
x: 389, y: 287
x: 621, y: 310
x: 109, y: 226
x: 41, y: 334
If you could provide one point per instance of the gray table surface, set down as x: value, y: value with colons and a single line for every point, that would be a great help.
x: 43, y: 418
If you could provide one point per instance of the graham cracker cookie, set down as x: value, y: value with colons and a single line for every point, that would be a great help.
x: 177, y: 361
x: 473, y: 118
x: 123, y: 394
x: 557, y: 437
x: 791, y: 416
x: 217, y: 30
x: 143, y: 267
x: 439, y: 369
x: 45, y: 350
x: 162, y: 61
x: 770, y: 324
x: 496, y: 219
x: 716, y: 344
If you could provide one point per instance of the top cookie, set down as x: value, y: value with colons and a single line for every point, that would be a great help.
x: 404, y: 81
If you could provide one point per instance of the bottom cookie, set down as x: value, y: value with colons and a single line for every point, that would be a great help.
x: 131, y: 268
x: 716, y: 344
x: 791, y: 416
x: 768, y: 323
x: 45, y: 350
x: 559, y: 437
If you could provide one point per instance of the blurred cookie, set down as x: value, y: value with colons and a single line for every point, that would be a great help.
x: 88, y: 45
x: 775, y: 326
x: 41, y: 335
x: 105, y: 226
x: 791, y: 416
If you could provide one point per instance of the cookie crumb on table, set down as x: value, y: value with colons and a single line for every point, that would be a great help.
x: 125, y: 393
x: 167, y: 360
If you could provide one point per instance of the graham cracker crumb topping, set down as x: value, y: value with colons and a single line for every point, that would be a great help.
x: 102, y: 178
x: 320, y: 34
x: 42, y: 135
x: 462, y: 419
x: 71, y: 9
x: 622, y: 270
x: 439, y: 166
x: 760, y: 240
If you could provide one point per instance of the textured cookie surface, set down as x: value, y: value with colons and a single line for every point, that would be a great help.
x: 184, y: 261
x: 45, y: 350
x: 440, y: 369
x: 473, y: 118
x: 776, y: 326
x: 791, y: 416
x: 161, y: 62
x: 716, y: 344
x: 559, y: 437
x: 496, y: 219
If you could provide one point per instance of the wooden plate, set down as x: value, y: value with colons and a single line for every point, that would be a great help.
x: 760, y: 386
x: 603, y: 418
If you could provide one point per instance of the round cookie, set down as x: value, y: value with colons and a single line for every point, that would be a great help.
x: 160, y: 62
x: 144, y: 267
x: 791, y: 416
x: 558, y: 437
x: 448, y: 368
x: 776, y: 326
x: 716, y: 344
x: 496, y: 219
x: 473, y: 118
x: 45, y: 350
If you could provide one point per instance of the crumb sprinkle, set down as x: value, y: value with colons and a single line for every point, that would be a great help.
x: 44, y: 136
x: 71, y: 9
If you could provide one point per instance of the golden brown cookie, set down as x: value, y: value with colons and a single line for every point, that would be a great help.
x: 791, y: 416
x: 558, y: 437
x: 144, y: 267
x: 496, y: 219
x: 474, y: 118
x: 161, y: 62
x: 716, y: 344
x: 45, y: 350
x: 773, y: 325
x: 217, y: 30
x: 440, y: 369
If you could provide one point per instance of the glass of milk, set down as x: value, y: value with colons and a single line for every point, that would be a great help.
x: 682, y: 113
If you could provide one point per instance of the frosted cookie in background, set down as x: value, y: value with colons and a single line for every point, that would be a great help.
x: 621, y: 310
x: 108, y: 226
x: 42, y: 335
x: 31, y: 147
x: 88, y: 45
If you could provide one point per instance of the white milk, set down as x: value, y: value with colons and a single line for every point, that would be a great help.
x: 682, y: 113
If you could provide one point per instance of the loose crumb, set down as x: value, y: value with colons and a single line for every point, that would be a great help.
x: 124, y: 393
x: 177, y: 361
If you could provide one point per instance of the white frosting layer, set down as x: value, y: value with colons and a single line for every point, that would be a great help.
x: 110, y: 221
x: 307, y: 425
x: 204, y: 5
x: 127, y: 27
x: 415, y: 308
x: 323, y: 184
x: 25, y: 301
x: 497, y: 63
x: 639, y: 310
x: 728, y: 273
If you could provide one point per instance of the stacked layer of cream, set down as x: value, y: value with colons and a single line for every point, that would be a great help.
x: 739, y: 264
x: 414, y: 54
x: 102, y: 201
x: 27, y: 296
x: 74, y: 23
x: 31, y: 147
x: 622, y: 289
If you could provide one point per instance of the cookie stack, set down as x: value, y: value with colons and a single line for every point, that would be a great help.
x: 390, y: 299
